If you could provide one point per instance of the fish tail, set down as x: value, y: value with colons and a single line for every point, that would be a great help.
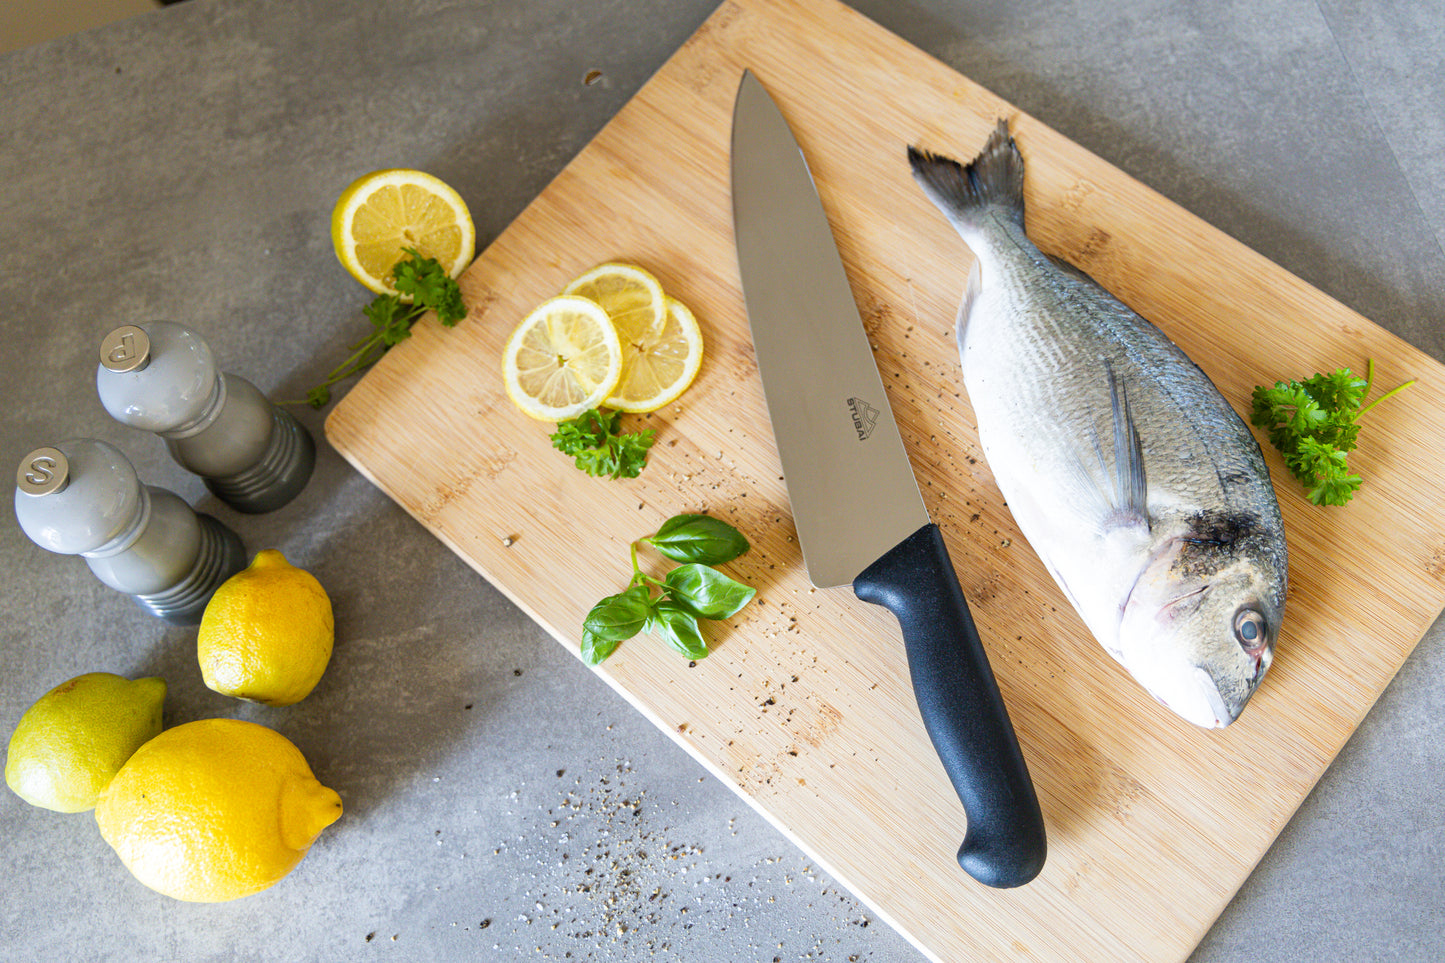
x: 993, y: 182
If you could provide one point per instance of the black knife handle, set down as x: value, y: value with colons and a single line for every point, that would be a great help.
x: 1003, y: 844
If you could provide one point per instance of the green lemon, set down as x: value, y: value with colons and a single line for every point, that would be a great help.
x: 74, y: 739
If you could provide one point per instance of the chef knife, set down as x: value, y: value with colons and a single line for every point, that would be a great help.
x: 859, y: 515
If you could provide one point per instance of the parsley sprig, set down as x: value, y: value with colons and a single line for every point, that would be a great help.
x: 428, y: 286
x: 689, y: 594
x: 1313, y: 423
x: 600, y: 447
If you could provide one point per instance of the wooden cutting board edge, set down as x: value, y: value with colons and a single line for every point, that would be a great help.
x: 663, y: 725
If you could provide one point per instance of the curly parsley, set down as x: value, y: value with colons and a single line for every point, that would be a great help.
x: 1313, y: 424
x: 599, y: 447
x: 427, y: 285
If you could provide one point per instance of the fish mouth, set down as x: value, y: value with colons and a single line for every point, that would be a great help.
x: 1189, y: 692
x: 1202, y: 704
x: 1216, y: 712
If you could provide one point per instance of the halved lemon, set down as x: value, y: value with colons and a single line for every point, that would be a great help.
x: 383, y: 212
x: 562, y: 359
x: 658, y: 362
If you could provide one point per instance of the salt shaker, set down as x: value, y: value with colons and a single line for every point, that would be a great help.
x: 82, y: 497
x: 162, y: 377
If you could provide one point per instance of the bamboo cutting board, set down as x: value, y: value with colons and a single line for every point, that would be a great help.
x: 805, y: 706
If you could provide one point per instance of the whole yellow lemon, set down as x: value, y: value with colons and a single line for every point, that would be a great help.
x: 75, y: 738
x: 214, y: 810
x: 267, y: 633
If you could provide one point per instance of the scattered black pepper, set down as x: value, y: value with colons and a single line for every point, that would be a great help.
x: 636, y: 886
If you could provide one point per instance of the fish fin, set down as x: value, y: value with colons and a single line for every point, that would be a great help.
x: 966, y: 304
x: 992, y: 182
x: 1130, y: 484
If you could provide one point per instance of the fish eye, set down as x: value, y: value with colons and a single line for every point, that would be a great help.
x: 1249, y: 628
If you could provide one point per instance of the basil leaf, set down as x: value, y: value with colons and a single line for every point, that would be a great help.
x: 595, y: 648
x: 620, y: 616
x: 706, y: 592
x: 699, y: 538
x: 679, y: 627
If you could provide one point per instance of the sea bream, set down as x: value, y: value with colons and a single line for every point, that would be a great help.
x: 1139, y: 487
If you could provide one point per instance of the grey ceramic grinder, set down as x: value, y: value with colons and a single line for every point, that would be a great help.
x: 82, y: 497
x: 163, y: 378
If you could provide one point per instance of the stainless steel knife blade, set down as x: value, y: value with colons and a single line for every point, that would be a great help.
x: 858, y: 511
x: 825, y: 398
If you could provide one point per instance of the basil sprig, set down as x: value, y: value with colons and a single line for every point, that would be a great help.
x: 690, y: 593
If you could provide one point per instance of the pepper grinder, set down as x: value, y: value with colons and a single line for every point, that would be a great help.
x: 162, y: 377
x: 82, y: 497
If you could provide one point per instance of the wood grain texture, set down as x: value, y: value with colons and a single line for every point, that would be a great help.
x: 805, y: 705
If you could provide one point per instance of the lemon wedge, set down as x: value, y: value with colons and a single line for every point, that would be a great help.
x: 383, y: 212
x: 563, y: 359
x: 658, y: 362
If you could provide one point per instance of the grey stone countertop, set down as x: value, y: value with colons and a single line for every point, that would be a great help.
x: 182, y: 165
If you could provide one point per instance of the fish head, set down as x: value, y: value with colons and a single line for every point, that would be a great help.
x: 1199, y: 628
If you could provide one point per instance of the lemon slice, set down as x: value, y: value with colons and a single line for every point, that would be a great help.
x: 631, y: 297
x: 661, y: 341
x: 658, y: 363
x: 385, y: 211
x: 562, y: 359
